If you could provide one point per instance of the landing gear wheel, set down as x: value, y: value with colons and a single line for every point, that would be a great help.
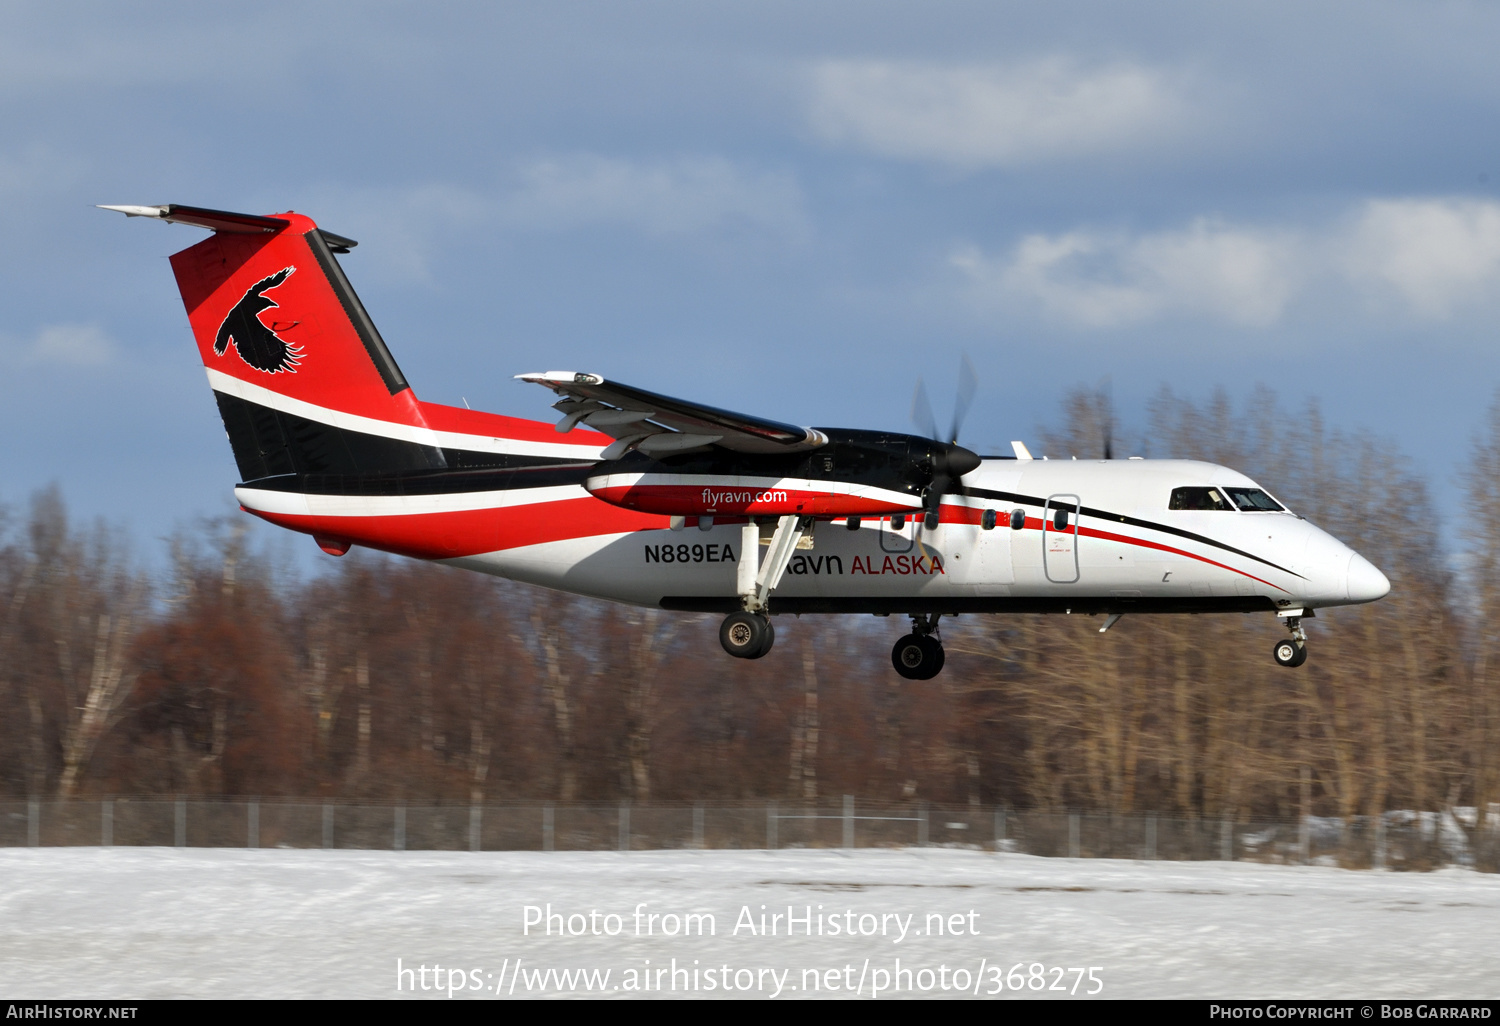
x: 746, y: 635
x: 770, y: 640
x: 909, y: 656
x: 939, y: 657
x: 918, y: 657
x: 1289, y: 653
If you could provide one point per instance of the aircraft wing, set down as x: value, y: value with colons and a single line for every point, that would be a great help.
x: 658, y: 424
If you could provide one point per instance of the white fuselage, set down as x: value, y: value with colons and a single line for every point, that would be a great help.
x: 1121, y: 547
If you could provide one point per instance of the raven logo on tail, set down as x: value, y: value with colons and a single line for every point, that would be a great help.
x: 257, y: 344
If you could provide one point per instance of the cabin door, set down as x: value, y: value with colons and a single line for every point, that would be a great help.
x: 1060, y: 538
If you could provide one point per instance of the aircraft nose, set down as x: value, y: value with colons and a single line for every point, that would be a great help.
x: 1366, y: 584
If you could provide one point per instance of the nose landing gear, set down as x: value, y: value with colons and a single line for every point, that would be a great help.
x: 919, y: 655
x: 1292, y: 651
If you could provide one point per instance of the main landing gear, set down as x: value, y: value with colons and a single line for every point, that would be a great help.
x: 919, y: 655
x: 1292, y: 651
x: 747, y: 635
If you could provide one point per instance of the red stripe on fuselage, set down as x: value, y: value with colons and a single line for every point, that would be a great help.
x: 469, y: 532
x: 724, y: 500
x: 1035, y: 524
x: 951, y: 514
x: 477, y: 422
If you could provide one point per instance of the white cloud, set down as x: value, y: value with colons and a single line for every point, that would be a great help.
x: 70, y: 345
x: 977, y: 116
x: 683, y: 196
x: 1439, y: 255
x: 1426, y: 259
x: 402, y: 229
x: 1104, y: 281
x: 690, y: 195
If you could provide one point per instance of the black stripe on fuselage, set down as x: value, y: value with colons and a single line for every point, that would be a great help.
x: 282, y: 447
x: 898, y: 606
x: 431, y: 482
x: 1120, y: 518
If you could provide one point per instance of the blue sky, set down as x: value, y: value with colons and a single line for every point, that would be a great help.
x: 790, y: 209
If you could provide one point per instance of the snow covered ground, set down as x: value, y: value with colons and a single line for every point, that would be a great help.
x: 161, y: 922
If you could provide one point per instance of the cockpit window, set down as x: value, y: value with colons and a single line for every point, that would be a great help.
x: 1198, y: 498
x: 1254, y: 500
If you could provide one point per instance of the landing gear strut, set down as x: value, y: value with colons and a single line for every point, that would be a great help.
x: 748, y: 634
x: 919, y: 655
x: 1292, y: 651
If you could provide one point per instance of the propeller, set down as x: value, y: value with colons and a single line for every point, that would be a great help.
x: 1106, y: 390
x: 950, y: 461
x: 921, y: 412
x: 968, y: 382
x: 921, y: 407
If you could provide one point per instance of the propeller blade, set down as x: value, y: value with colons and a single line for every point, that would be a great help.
x: 921, y: 412
x: 1107, y: 410
x: 950, y: 461
x: 968, y: 382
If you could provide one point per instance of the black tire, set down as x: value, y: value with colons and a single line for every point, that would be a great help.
x: 1288, y: 653
x: 916, y: 657
x: 909, y: 657
x: 745, y: 635
x: 939, y: 657
x: 765, y: 646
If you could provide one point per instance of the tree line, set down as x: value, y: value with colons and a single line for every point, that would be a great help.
x: 391, y: 679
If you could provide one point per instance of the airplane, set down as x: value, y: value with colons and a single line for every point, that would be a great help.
x: 645, y: 499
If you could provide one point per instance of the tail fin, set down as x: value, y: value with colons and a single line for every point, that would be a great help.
x: 303, y: 380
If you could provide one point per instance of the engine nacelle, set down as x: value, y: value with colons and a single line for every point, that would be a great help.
x: 700, y: 495
x: 857, y: 474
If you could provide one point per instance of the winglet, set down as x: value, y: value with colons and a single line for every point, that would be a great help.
x: 1022, y: 453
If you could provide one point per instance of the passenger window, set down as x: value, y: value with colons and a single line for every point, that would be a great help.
x: 1060, y: 521
x: 988, y: 520
x: 1017, y: 519
x: 1198, y: 498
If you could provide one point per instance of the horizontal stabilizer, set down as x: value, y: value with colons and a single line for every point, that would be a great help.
x: 214, y: 220
x: 223, y: 221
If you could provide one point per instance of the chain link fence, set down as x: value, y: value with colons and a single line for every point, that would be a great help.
x: 1397, y: 840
